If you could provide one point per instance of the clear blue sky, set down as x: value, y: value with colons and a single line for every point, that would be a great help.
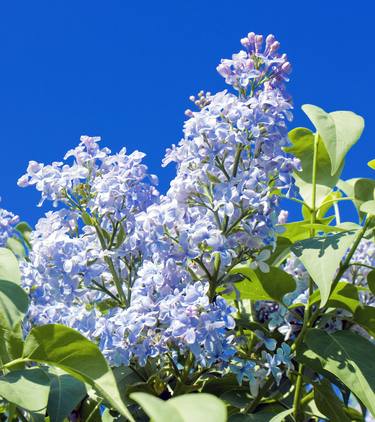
x: 124, y: 70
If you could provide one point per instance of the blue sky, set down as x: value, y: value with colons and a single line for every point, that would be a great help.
x: 124, y: 70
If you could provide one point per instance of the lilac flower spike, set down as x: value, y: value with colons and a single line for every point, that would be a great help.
x: 138, y: 272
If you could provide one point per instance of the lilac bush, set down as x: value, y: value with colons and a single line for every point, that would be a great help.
x: 209, y: 288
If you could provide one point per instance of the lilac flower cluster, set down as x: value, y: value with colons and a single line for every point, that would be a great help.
x: 139, y: 272
x: 8, y: 222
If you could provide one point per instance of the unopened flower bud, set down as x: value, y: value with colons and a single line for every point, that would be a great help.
x: 258, y: 42
x: 246, y: 42
x: 275, y: 46
x: 270, y: 40
x: 286, y: 67
x: 251, y: 37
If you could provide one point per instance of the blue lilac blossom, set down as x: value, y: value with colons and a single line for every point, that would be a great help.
x: 8, y: 222
x: 168, y: 252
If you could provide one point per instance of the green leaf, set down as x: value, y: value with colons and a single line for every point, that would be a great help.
x: 371, y: 281
x: 299, y: 230
x: 349, y: 128
x: 256, y: 417
x: 11, y: 345
x: 200, y: 407
x: 89, y: 410
x: 9, y: 269
x: 361, y: 190
x: 346, y: 355
x: 371, y: 164
x: 13, y: 304
x: 323, y: 228
x: 344, y: 295
x: 16, y: 246
x: 281, y: 251
x: 321, y: 257
x: 368, y: 207
x: 157, y: 409
x: 340, y: 130
x: 328, y: 403
x: 70, y: 351
x: 65, y: 394
x: 303, y: 148
x: 27, y: 388
x: 263, y: 286
x: 24, y: 229
x: 327, y: 203
x: 281, y: 416
x: 365, y: 317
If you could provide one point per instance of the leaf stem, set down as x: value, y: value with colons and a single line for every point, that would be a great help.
x: 306, y: 320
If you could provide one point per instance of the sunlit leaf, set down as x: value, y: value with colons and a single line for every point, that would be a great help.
x: 263, y: 286
x: 66, y: 392
x: 321, y: 257
x: 189, y: 407
x: 340, y: 130
x: 65, y: 348
x: 347, y: 356
x: 365, y: 317
x: 368, y: 207
x: 28, y: 388
x: 344, y: 295
x: 328, y: 403
x: 303, y: 148
x: 9, y: 269
x: 13, y: 304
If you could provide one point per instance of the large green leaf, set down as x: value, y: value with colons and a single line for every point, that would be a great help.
x: 66, y: 392
x: 368, y: 207
x: 11, y: 344
x: 9, y: 269
x: 281, y: 251
x: 340, y: 130
x: 321, y: 257
x: 281, y: 417
x: 256, y: 417
x: 28, y: 388
x: 263, y: 286
x: 25, y: 230
x: 371, y: 281
x: 365, y: 317
x: 361, y: 190
x: 328, y: 403
x: 303, y: 148
x: 346, y: 355
x: 199, y: 407
x: 65, y: 348
x: 13, y: 304
x: 299, y: 230
x: 328, y: 203
x: 344, y: 295
x: 16, y: 246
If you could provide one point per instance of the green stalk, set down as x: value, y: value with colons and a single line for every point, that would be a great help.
x: 297, y: 394
x: 346, y: 264
x: 111, y: 266
x: 299, y: 381
x: 237, y: 161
